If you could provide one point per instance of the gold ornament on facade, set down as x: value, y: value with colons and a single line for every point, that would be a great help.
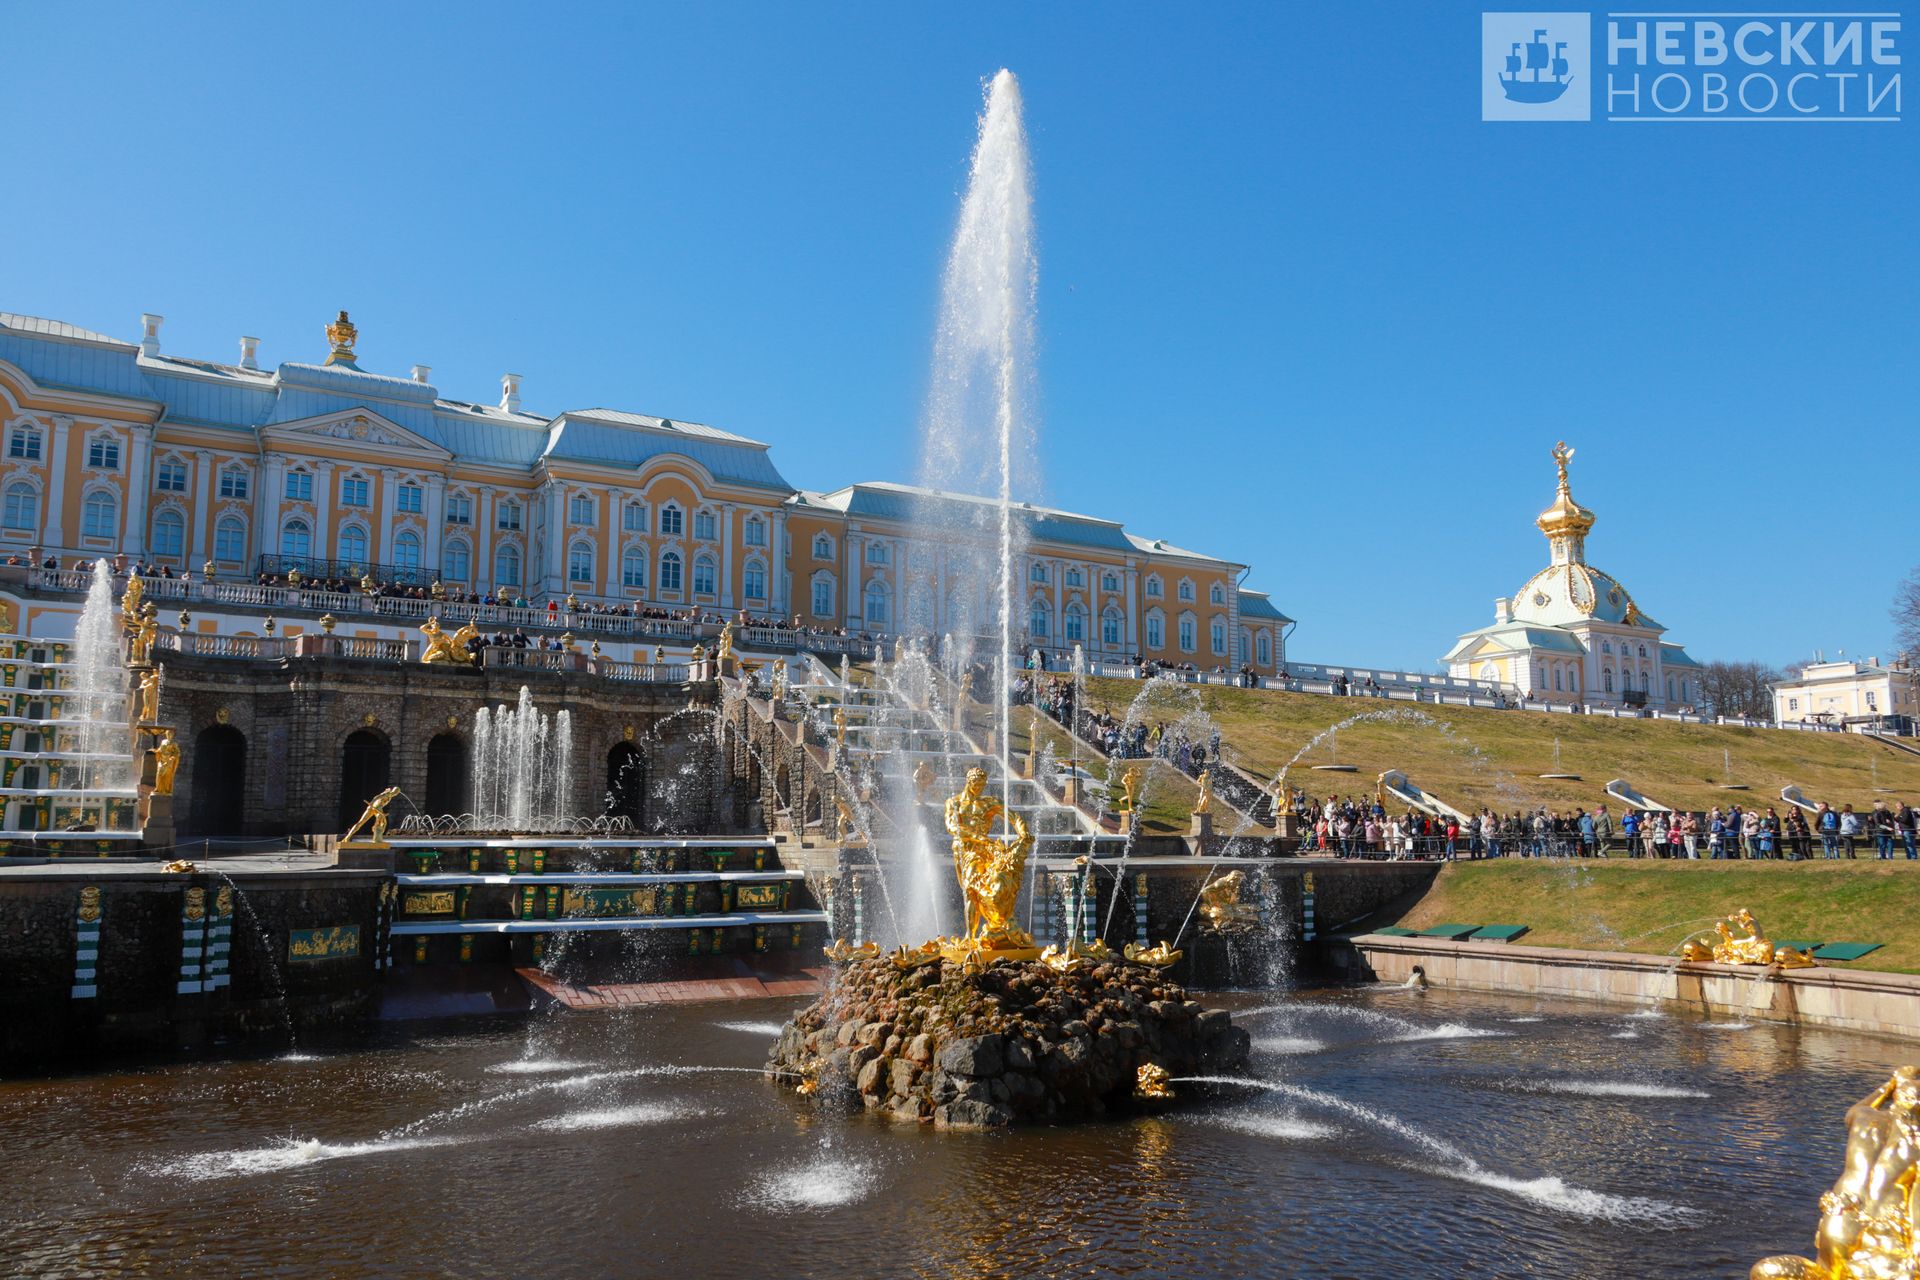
x: 627, y: 733
x: 1722, y: 947
x: 341, y: 335
x: 268, y: 626
x: 196, y: 903
x: 166, y: 763
x: 222, y: 716
x: 223, y: 900
x: 90, y: 903
x: 1867, y: 1227
x: 185, y: 620
x: 369, y: 720
x: 328, y: 622
x: 453, y: 722
x: 374, y: 818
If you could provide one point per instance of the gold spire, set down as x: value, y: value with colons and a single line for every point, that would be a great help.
x: 342, y: 335
x: 1565, y: 518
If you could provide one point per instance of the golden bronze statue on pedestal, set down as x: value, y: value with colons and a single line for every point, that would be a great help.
x: 1204, y: 804
x: 990, y: 870
x: 1130, y: 787
x: 442, y: 647
x: 166, y: 763
x: 1866, y: 1227
x: 150, y: 697
x: 725, y: 651
x: 374, y: 816
x: 839, y: 729
x: 1220, y: 903
x: 1754, y: 948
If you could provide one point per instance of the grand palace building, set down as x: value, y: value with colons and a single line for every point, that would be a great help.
x: 233, y: 471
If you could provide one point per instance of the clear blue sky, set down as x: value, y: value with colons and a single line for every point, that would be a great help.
x: 1299, y: 306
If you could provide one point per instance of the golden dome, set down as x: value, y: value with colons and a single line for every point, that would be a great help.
x: 1565, y: 518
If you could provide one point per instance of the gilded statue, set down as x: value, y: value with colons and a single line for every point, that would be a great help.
x: 725, y: 651
x: 960, y: 701
x: 1158, y: 956
x: 840, y: 728
x: 166, y: 763
x: 130, y: 602
x: 375, y: 817
x: 1754, y: 948
x: 922, y: 781
x: 1220, y: 903
x: 1152, y: 1083
x: 779, y: 678
x: 90, y: 903
x: 849, y: 820
x: 341, y: 335
x: 990, y: 869
x: 1130, y: 785
x: 1204, y: 804
x: 150, y: 697
x: 1866, y: 1227
x: 442, y: 647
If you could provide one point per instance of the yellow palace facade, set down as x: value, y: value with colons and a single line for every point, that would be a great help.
x: 119, y: 448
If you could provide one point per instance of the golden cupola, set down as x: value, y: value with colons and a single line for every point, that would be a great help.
x: 1566, y: 522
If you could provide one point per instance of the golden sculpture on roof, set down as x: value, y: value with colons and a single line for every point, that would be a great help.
x: 990, y: 870
x: 1753, y: 948
x: 341, y: 335
x: 1866, y: 1229
x: 1565, y: 516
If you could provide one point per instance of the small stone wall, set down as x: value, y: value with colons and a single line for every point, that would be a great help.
x: 1856, y: 1000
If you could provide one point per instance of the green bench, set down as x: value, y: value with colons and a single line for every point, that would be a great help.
x: 1450, y: 932
x: 1498, y: 932
x: 1846, y: 950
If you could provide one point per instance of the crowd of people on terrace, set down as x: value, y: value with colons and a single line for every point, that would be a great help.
x: 1115, y: 738
x: 1358, y: 827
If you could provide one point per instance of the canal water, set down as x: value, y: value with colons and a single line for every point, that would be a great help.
x: 1402, y: 1134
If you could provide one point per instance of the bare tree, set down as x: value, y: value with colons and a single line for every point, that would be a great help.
x: 1739, y: 688
x: 1906, y: 614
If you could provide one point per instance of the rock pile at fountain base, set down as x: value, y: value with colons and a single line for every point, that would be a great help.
x: 1013, y: 1043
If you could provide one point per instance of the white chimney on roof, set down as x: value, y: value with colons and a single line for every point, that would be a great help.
x: 150, y: 333
x: 423, y: 373
x: 249, y: 353
x: 510, y: 392
x: 1503, y: 609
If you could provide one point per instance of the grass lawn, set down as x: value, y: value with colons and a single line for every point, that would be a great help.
x: 1471, y: 756
x: 1652, y: 907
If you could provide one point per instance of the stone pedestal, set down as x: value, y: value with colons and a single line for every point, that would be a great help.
x: 366, y: 854
x: 156, y: 825
x: 1202, y: 826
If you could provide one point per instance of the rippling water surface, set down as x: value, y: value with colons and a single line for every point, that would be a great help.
x: 1390, y: 1134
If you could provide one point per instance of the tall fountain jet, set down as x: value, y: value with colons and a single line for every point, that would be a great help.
x: 522, y: 764
x: 979, y: 428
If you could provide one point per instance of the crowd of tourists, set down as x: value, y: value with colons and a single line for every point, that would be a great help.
x: 1351, y: 827
x: 1113, y: 737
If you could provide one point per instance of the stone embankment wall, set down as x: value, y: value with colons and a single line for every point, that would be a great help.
x: 1878, y: 1003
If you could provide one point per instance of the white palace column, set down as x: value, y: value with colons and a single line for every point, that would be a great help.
x: 272, y: 492
x: 726, y: 556
x: 483, y: 535
x: 553, y: 544
x: 323, y: 496
x: 56, y: 533
x: 436, y: 524
x: 1132, y: 634
x: 203, y: 508
x: 385, y: 508
x: 777, y: 557
x: 139, y: 486
x: 616, y: 515
x: 855, y: 558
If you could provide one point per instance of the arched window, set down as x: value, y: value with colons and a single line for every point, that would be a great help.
x: 669, y: 564
x: 1606, y: 679
x: 1037, y: 614
x: 1643, y: 651
x: 456, y: 561
x: 169, y: 533
x: 1646, y: 685
x: 704, y: 528
x: 1189, y: 631
x: 879, y: 600
x: 633, y: 567
x: 1263, y: 648
x: 1156, y: 630
x: 580, y: 510
x: 1153, y: 587
x: 822, y: 547
x: 1109, y: 582
x: 23, y: 507
x: 672, y: 523
x: 298, y: 486
x: 633, y: 518
x: 296, y: 540
x: 580, y: 563
x: 1038, y: 572
x: 1186, y: 589
x: 100, y: 518
x: 703, y: 576
x: 506, y: 566
x: 1076, y: 624
x: 1606, y: 646
x: 230, y: 540
x: 406, y: 550
x: 823, y: 595
x: 1111, y: 627
x: 878, y: 553
x: 1669, y: 688
x: 1216, y: 594
x: 1217, y: 636
x: 756, y: 532
x: 1556, y: 679
x: 754, y: 579
x: 353, y: 546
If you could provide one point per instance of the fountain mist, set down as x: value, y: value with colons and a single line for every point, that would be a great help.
x: 522, y: 759
x: 98, y: 703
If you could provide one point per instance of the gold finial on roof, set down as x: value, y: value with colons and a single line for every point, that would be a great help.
x: 1565, y: 517
x: 342, y: 335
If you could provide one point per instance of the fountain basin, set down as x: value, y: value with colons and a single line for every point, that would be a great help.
x: 957, y: 1047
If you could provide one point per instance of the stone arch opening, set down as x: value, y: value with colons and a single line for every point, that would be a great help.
x: 626, y: 782
x: 449, y: 781
x: 219, y: 783
x: 366, y: 769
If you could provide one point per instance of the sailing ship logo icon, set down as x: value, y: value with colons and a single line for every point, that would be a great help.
x: 1536, y: 66
x: 1534, y: 87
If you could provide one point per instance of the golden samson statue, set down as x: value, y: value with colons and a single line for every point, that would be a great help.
x: 1866, y: 1227
x: 1755, y: 948
x: 990, y: 870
